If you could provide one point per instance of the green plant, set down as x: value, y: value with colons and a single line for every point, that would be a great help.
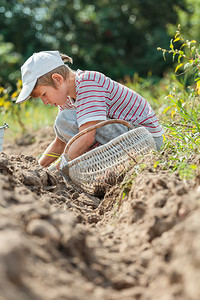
x: 182, y: 113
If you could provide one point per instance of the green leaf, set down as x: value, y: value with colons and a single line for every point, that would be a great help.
x: 177, y: 39
x: 166, y: 109
x: 164, y: 56
x: 179, y: 103
x: 179, y: 66
x: 183, y: 45
x: 171, y: 44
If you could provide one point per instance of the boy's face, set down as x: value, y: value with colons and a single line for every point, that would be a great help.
x: 50, y: 95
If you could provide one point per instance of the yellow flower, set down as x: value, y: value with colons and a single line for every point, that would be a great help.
x: 198, y: 87
x: 172, y: 113
x: 14, y: 95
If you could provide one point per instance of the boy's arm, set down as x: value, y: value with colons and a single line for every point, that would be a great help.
x: 55, y: 148
x: 79, y: 147
x: 82, y: 144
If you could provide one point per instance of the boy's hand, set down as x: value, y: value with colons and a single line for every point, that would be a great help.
x: 57, y: 146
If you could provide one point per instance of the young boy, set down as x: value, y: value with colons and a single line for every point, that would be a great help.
x: 84, y: 98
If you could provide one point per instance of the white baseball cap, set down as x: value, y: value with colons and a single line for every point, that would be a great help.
x: 37, y: 65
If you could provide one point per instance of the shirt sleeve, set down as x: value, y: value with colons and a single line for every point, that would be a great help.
x: 91, y: 102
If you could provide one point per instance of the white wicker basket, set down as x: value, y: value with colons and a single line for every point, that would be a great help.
x: 96, y: 169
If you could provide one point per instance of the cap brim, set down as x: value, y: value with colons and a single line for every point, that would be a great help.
x: 25, y: 92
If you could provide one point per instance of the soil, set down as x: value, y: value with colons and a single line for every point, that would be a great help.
x: 58, y: 243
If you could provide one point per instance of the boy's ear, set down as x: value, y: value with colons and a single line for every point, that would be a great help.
x: 57, y: 78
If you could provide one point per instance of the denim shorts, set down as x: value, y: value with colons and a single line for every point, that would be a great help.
x: 66, y: 127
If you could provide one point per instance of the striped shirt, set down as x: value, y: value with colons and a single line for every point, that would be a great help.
x: 99, y: 97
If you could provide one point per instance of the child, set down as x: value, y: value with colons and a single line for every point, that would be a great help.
x: 84, y: 98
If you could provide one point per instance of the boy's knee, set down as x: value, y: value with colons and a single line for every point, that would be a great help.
x: 109, y: 132
x: 65, y: 116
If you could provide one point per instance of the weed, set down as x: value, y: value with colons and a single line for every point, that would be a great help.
x: 181, y: 113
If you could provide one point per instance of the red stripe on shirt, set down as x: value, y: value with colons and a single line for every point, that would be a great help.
x: 126, y: 106
x: 136, y: 109
x: 99, y: 78
x: 119, y: 103
x: 92, y: 96
x: 143, y: 108
x: 131, y: 107
x: 91, y: 107
x: 87, y: 113
x: 147, y: 119
x: 92, y: 91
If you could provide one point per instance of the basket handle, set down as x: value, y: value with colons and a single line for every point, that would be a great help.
x: 103, y: 123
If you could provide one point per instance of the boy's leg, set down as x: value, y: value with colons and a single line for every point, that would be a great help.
x: 159, y: 142
x: 108, y: 132
x: 66, y: 127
